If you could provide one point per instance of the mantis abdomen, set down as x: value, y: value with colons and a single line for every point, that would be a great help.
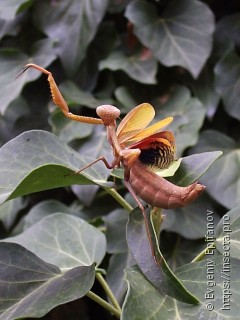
x: 159, y: 192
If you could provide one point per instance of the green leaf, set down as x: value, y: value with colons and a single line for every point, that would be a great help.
x: 9, y: 27
x: 71, y: 25
x: 9, y: 8
x: 204, y: 89
x: 68, y: 130
x: 144, y: 302
x: 64, y: 240
x: 143, y: 299
x: 116, y: 231
x: 223, y: 179
x: 227, y: 73
x: 11, y: 122
x: 193, y: 167
x: 170, y: 171
x: 96, y: 146
x: 188, y: 114
x: 228, y: 234
x: 181, y: 36
x: 75, y: 96
x: 40, y: 161
x: 88, y: 72
x: 226, y: 35
x: 9, y: 211
x: 190, y: 221
x: 198, y: 277
x: 125, y: 97
x: 31, y: 287
x: 42, y: 210
x: 138, y: 66
x: 159, y: 274
x: 183, y: 252
x: 116, y: 6
x: 115, y: 273
x: 12, y: 60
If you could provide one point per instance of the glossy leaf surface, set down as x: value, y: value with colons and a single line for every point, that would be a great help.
x: 223, y: 179
x: 71, y: 25
x: 159, y: 275
x: 40, y: 286
x: 142, y: 294
x: 40, y: 161
x: 64, y: 240
x: 181, y: 36
x: 11, y: 62
x: 227, y: 234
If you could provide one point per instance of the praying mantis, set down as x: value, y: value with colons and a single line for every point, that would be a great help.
x: 138, y: 148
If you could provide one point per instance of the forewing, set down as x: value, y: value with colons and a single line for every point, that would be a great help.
x: 135, y: 121
x: 151, y: 130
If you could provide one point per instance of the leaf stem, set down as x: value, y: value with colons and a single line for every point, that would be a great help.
x: 202, y: 254
x: 108, y: 291
x: 119, y: 199
x: 104, y: 304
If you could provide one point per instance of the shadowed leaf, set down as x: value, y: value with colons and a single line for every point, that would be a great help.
x: 181, y: 36
x: 40, y: 286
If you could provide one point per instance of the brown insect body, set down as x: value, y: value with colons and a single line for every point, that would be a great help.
x: 158, y: 191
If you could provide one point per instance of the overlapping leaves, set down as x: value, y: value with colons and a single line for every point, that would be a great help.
x: 71, y: 25
x: 39, y: 287
x: 223, y: 179
x: 181, y: 36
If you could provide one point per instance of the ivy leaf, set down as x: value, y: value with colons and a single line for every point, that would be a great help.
x: 49, y: 239
x: 115, y: 273
x: 188, y: 114
x: 37, y: 286
x: 76, y: 96
x: 68, y: 130
x: 42, y: 210
x: 159, y: 274
x: 40, y: 161
x: 193, y: 167
x: 10, y: 8
x: 9, y: 211
x: 12, y: 60
x: 204, y: 89
x: 9, y: 27
x: 96, y: 146
x: 143, y: 300
x: 190, y: 221
x: 137, y: 66
x: 181, y: 36
x: 71, y: 25
x: 227, y: 73
x: 228, y: 234
x: 226, y: 34
x: 116, y: 226
x: 223, y: 179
